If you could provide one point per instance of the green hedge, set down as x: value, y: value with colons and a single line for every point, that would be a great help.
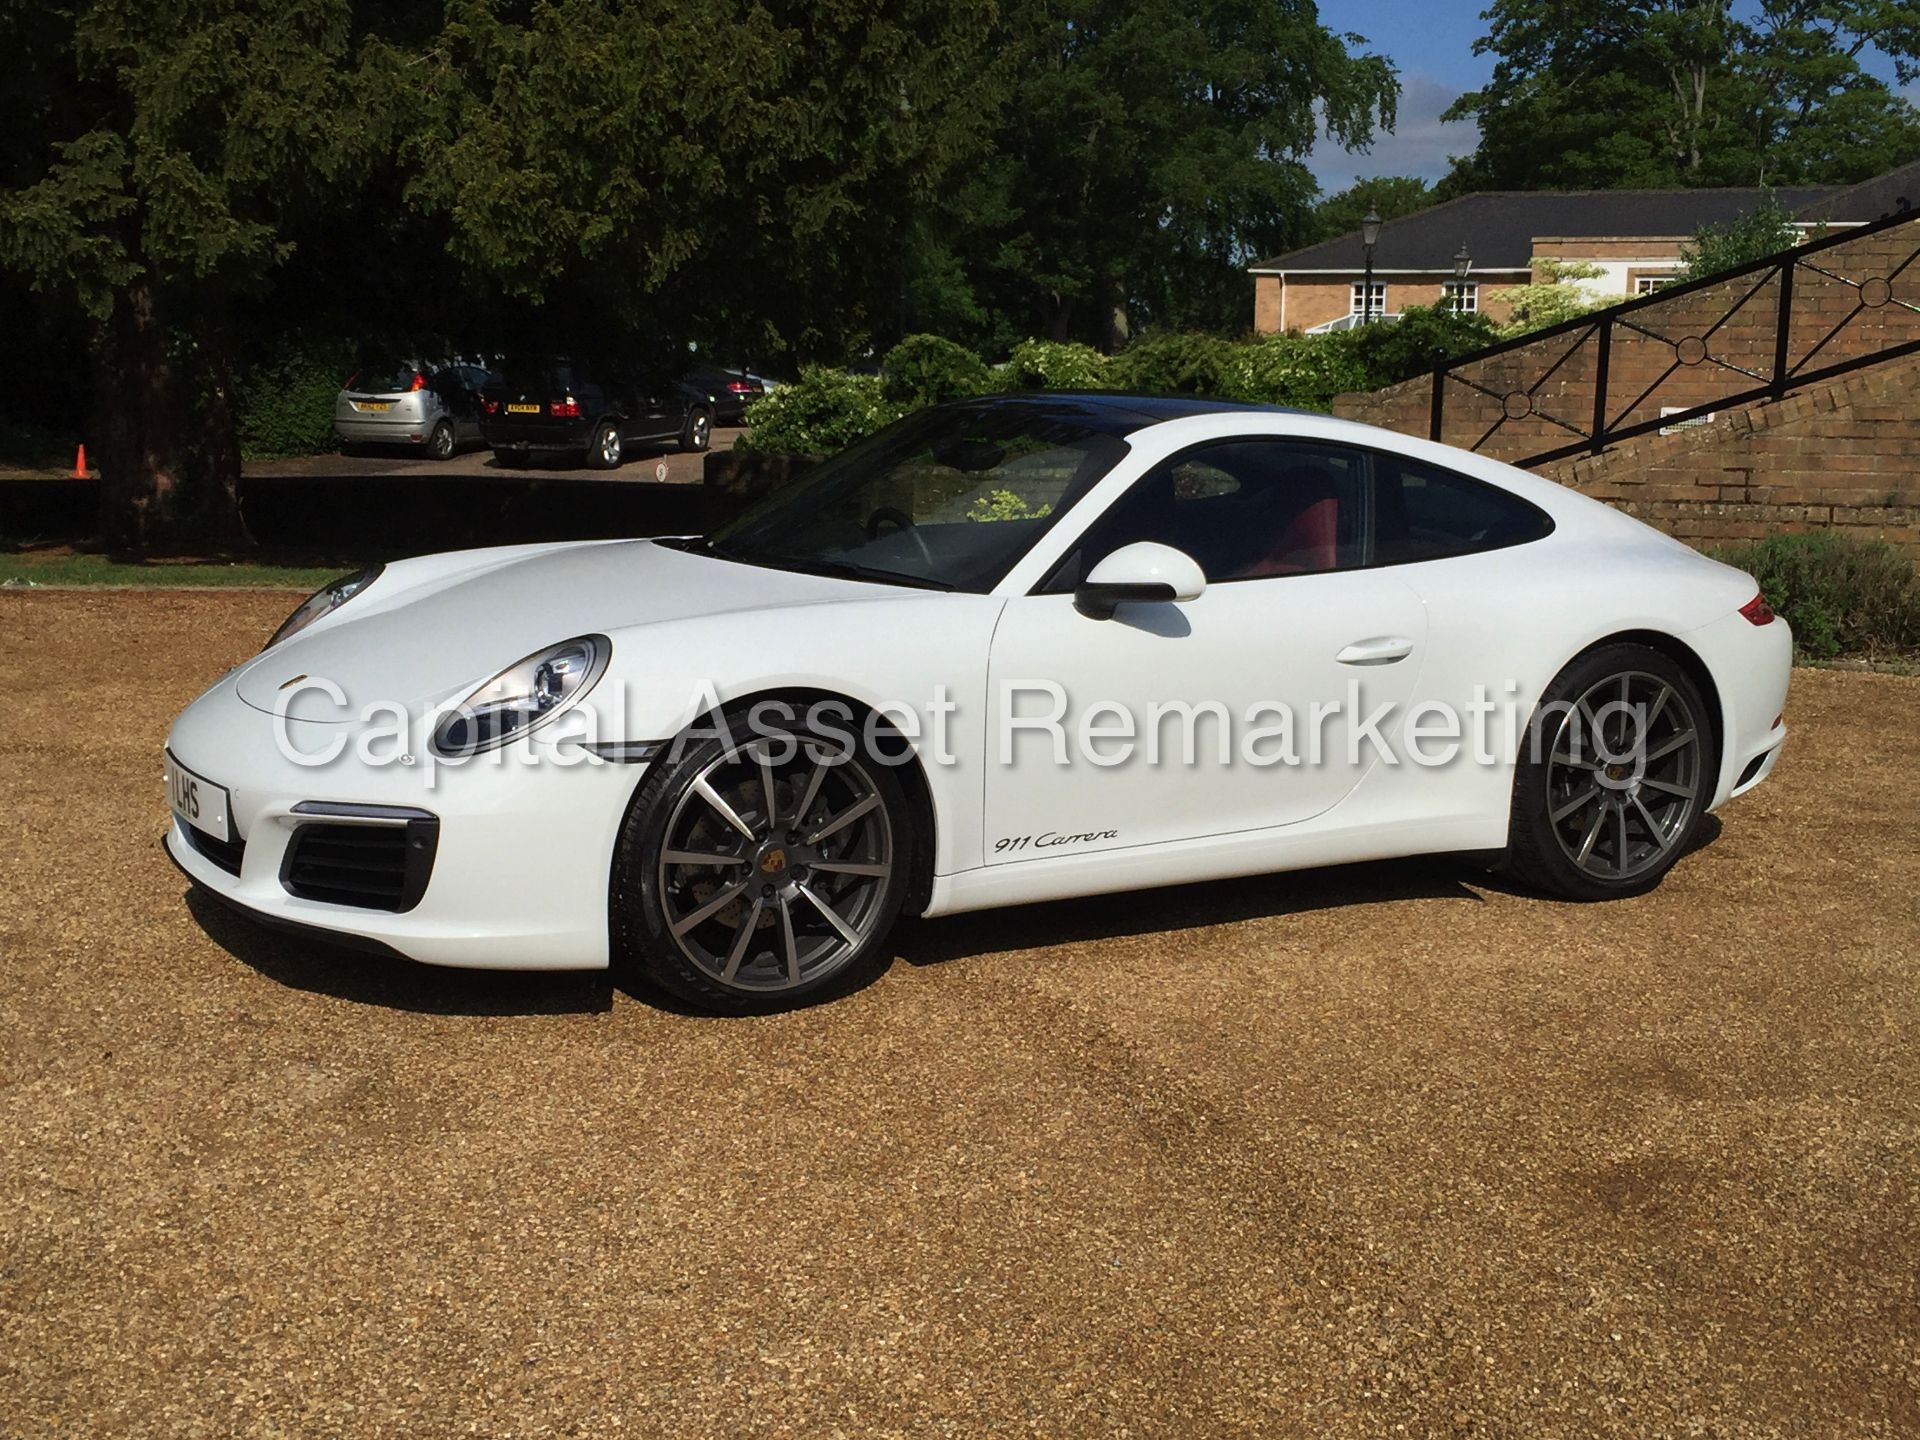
x: 1841, y: 595
x: 284, y: 405
x: 823, y: 411
x: 829, y: 408
x: 928, y: 370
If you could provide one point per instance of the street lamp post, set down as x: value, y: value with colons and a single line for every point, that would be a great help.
x: 1369, y: 235
x: 1462, y: 263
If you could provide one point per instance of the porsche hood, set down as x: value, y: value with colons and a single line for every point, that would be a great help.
x: 430, y: 640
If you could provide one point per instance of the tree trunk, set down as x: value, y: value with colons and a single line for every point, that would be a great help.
x: 139, y: 466
x: 218, y: 512
x: 1117, y: 330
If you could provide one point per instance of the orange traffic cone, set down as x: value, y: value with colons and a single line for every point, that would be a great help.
x: 80, y: 463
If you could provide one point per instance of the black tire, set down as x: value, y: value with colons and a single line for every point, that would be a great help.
x: 440, y: 442
x: 606, y: 449
x: 1602, y: 816
x: 769, y: 945
x: 697, y: 434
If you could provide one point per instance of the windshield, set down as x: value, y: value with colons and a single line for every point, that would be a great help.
x: 949, y: 497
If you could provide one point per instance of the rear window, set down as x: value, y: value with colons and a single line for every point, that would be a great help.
x: 557, y: 375
x: 387, y: 377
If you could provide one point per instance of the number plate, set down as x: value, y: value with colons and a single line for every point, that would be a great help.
x: 198, y: 802
x: 523, y: 409
x: 373, y: 407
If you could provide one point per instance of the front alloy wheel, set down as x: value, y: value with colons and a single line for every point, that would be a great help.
x: 756, y: 876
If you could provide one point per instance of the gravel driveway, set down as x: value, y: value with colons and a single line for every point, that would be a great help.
x: 1371, y: 1151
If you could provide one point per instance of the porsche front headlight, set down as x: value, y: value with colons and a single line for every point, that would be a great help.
x: 325, y: 601
x: 523, y: 697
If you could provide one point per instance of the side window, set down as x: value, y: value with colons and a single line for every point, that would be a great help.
x: 1244, y: 509
x: 1425, y: 513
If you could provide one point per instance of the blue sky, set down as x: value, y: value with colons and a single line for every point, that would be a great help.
x: 1431, y: 41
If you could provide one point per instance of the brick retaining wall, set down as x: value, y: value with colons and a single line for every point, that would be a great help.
x: 1843, y: 453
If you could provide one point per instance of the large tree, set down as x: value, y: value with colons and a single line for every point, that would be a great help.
x: 1613, y: 93
x: 1388, y: 196
x: 1148, y: 150
x: 187, y: 178
x: 159, y: 160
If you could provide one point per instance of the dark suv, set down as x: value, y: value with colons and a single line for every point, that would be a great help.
x: 557, y: 405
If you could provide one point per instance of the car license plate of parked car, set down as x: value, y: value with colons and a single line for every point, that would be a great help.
x: 197, y: 801
x: 523, y: 409
x: 377, y: 407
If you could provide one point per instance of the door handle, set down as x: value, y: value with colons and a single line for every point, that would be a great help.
x: 1381, y: 650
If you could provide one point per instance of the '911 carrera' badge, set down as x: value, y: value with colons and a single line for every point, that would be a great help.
x: 773, y: 862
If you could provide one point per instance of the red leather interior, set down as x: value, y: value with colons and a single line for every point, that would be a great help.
x: 1309, y: 541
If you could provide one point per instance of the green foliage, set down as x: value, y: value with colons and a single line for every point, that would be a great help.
x: 927, y: 370
x: 824, y: 411
x: 1416, y: 342
x: 1548, y: 302
x: 1054, y: 365
x: 1613, y: 93
x: 1178, y: 364
x: 285, y: 405
x: 1753, y: 236
x: 1842, y: 596
x: 1388, y: 196
x: 1304, y: 371
x: 1005, y: 505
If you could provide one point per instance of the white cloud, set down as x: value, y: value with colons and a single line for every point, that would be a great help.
x: 1420, y: 143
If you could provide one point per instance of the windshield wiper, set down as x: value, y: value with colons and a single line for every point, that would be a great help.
x: 815, y: 565
x: 848, y: 570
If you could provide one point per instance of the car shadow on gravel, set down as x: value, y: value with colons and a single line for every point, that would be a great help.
x: 391, y: 981
x: 1188, y: 907
x: 1218, y: 902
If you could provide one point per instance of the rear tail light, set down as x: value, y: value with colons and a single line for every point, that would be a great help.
x: 739, y: 387
x: 567, y: 409
x: 1757, y: 611
x: 348, y: 385
x: 492, y: 407
x: 419, y: 381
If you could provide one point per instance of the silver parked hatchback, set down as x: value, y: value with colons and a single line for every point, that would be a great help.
x: 434, y: 407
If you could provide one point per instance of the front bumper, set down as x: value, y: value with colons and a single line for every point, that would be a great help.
x: 526, y: 835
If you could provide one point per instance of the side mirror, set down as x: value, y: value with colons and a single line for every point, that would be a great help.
x: 1142, y: 571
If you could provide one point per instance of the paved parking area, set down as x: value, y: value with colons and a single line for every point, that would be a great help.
x: 1377, y: 1151
x: 642, y: 464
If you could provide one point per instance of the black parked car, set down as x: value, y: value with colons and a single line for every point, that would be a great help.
x: 559, y: 405
x: 728, y: 391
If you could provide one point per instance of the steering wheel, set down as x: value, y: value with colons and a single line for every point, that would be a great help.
x: 903, y: 522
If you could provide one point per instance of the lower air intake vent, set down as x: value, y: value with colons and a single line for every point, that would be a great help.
x: 382, y: 866
x: 224, y: 853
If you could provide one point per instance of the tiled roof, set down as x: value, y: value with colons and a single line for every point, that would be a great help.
x: 1499, y: 227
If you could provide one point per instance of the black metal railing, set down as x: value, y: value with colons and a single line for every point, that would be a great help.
x: 1528, y: 398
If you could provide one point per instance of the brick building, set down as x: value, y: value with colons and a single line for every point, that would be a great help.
x: 1634, y: 236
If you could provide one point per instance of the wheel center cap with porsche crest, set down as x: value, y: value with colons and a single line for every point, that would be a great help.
x: 773, y: 861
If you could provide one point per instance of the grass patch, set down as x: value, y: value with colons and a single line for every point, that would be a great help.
x: 30, y: 570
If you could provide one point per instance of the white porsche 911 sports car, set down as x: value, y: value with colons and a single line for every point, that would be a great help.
x: 1007, y: 650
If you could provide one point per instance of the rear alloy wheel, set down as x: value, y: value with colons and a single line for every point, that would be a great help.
x: 604, y: 450
x: 440, y: 442
x: 757, y: 877
x: 698, y: 434
x: 1616, y: 776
